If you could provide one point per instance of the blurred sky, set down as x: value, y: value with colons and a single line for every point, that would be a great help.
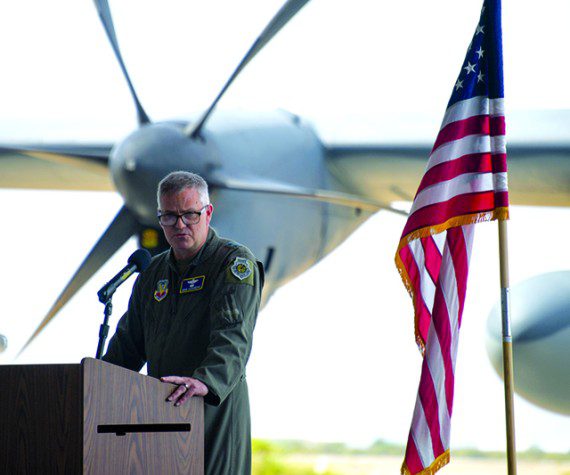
x: 334, y: 356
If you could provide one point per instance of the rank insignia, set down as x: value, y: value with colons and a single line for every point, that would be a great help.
x: 161, y: 290
x: 192, y: 284
x: 242, y: 270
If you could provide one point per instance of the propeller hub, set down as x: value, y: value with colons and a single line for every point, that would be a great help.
x: 139, y: 162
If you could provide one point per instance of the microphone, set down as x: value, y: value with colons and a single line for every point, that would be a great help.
x: 138, y: 261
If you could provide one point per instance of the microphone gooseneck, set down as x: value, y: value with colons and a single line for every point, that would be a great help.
x: 137, y: 262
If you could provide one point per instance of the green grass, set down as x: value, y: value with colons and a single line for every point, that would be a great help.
x: 276, y: 449
x: 269, y: 459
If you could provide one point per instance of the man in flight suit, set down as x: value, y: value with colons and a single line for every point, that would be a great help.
x: 191, y: 318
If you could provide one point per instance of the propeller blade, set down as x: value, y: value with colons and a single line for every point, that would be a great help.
x: 123, y: 226
x: 107, y: 20
x: 287, y: 11
x: 258, y: 185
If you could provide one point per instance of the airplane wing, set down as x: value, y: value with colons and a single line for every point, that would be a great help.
x: 55, y: 166
x: 263, y: 185
x: 385, y: 173
x: 538, y: 172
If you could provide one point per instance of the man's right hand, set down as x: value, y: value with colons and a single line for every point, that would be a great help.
x: 187, y: 387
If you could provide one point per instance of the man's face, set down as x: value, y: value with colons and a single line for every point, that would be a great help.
x: 185, y: 240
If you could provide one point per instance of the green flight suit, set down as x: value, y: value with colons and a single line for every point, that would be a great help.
x: 199, y: 324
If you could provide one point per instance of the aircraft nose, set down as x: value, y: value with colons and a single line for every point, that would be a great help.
x: 540, y: 326
x: 140, y: 161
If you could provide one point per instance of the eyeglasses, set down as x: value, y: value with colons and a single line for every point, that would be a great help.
x: 188, y: 218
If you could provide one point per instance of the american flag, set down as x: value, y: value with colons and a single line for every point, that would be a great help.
x: 465, y: 182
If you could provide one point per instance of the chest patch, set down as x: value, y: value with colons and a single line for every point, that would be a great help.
x: 161, y: 290
x: 192, y: 284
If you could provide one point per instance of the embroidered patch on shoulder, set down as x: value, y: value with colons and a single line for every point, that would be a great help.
x: 161, y: 290
x: 192, y: 284
x: 241, y: 271
x: 241, y: 268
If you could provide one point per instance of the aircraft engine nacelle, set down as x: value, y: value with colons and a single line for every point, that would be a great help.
x: 540, y: 327
x: 140, y: 161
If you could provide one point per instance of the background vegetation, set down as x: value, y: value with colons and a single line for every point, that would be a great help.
x: 296, y: 457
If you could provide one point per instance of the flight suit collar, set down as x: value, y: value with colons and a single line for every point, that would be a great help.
x: 203, y: 254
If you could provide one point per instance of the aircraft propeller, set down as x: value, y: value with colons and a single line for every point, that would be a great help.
x: 107, y: 20
x: 287, y: 11
x: 125, y: 224
x: 119, y: 232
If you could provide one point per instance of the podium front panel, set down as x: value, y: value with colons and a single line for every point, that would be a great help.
x: 40, y: 419
x: 130, y: 428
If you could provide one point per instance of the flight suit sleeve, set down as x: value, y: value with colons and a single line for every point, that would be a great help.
x: 126, y: 347
x: 233, y: 313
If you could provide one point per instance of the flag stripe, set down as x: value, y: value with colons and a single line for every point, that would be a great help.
x: 429, y: 400
x: 437, y: 214
x: 477, y: 125
x: 467, y: 183
x: 466, y: 239
x: 420, y: 434
x: 413, y: 463
x: 432, y: 259
x: 500, y: 162
x: 439, y: 240
x: 442, y: 326
x: 459, y: 255
x: 478, y: 105
x: 467, y: 145
x: 471, y: 163
x: 436, y: 365
x: 423, y: 312
x: 448, y: 315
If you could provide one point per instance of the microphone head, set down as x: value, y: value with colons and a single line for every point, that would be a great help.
x: 140, y: 258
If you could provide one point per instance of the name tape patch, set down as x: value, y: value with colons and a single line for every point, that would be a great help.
x: 192, y: 284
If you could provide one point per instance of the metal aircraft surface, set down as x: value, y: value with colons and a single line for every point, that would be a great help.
x: 303, y: 197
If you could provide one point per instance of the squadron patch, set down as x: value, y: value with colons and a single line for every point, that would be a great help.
x: 192, y: 284
x: 161, y: 290
x: 241, y: 271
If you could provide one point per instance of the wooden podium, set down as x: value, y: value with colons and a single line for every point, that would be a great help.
x: 95, y: 418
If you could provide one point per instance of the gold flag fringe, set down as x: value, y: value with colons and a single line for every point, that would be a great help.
x: 498, y: 213
x: 438, y: 463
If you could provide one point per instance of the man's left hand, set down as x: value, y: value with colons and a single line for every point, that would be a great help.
x: 187, y: 387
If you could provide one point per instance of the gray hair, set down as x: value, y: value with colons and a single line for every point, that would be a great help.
x: 177, y: 181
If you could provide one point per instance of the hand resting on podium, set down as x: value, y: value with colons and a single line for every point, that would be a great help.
x: 187, y: 387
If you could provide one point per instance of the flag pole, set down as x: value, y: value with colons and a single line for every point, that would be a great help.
x: 508, y: 373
